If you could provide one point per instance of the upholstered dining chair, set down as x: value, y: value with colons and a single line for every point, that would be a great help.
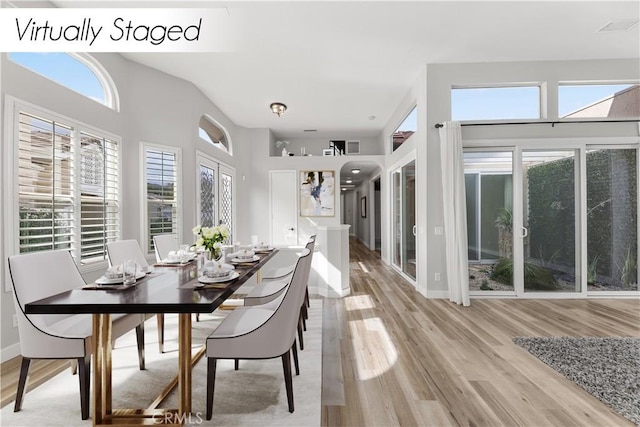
x: 120, y: 251
x: 38, y: 275
x: 260, y: 333
x: 269, y: 289
x: 163, y: 244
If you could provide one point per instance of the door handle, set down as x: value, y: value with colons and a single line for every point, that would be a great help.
x: 525, y: 232
x: 291, y: 229
x: 415, y: 230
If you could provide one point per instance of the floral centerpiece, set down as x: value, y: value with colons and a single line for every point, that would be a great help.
x: 211, y: 238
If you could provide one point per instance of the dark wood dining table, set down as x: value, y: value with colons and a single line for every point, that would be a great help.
x: 168, y: 289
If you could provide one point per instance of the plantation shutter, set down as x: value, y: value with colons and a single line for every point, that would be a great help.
x: 67, y: 189
x: 99, y: 195
x: 162, y: 202
x: 46, y: 182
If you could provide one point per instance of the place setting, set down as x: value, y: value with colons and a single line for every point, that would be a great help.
x: 180, y: 258
x: 243, y: 257
x: 262, y: 248
x: 119, y: 277
x: 216, y: 274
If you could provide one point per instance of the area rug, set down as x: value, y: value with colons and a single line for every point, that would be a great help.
x: 253, y: 395
x: 608, y: 368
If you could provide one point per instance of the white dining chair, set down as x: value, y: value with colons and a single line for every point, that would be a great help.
x: 38, y: 275
x: 120, y: 251
x: 260, y: 333
x: 269, y: 289
x: 163, y: 244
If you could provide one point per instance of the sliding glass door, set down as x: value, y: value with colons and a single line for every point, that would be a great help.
x: 489, y: 196
x: 612, y: 219
x: 549, y: 220
x: 552, y: 220
x: 404, y: 219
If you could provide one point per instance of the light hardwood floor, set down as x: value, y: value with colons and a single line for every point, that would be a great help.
x: 406, y: 360
x: 392, y: 357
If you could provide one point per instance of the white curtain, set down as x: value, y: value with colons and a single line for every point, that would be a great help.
x: 455, y: 212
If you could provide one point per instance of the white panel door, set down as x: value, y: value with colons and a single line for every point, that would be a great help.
x: 283, y: 210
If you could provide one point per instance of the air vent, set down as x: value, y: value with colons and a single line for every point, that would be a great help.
x: 310, y: 130
x: 620, y: 25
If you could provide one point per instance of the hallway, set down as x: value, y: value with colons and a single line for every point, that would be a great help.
x: 406, y: 360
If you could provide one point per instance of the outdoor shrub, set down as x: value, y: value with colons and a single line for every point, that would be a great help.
x: 535, y: 276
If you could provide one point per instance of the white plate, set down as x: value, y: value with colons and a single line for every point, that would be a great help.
x: 171, y: 261
x: 205, y: 279
x: 262, y: 250
x: 242, y: 260
x: 106, y: 281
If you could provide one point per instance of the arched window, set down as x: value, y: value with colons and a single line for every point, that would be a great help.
x: 76, y: 71
x: 214, y: 134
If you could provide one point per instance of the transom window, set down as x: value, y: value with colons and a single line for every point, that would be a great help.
x: 407, y: 128
x: 214, y: 134
x: 495, y: 103
x: 78, y: 72
x: 68, y: 187
x: 598, y: 100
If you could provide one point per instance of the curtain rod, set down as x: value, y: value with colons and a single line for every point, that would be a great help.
x: 439, y: 125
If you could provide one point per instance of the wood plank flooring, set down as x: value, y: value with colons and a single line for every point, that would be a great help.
x: 406, y: 360
x: 392, y: 357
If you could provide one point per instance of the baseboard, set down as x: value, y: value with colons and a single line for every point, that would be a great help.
x: 9, y: 352
x: 440, y: 294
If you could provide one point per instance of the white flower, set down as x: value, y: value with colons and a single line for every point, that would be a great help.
x: 207, y: 232
x: 196, y: 230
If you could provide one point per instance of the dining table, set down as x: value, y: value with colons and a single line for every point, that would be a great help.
x: 168, y: 288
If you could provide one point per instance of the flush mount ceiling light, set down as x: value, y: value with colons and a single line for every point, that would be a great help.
x: 348, y: 181
x: 355, y: 170
x: 278, y: 108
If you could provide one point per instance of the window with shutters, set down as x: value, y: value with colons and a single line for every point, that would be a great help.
x: 214, y: 134
x: 68, y: 187
x: 162, y: 166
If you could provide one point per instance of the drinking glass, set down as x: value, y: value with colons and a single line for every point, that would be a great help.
x: 129, y: 271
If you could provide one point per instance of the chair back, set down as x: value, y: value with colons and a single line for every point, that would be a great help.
x: 39, y: 275
x: 122, y: 250
x: 282, y: 326
x: 165, y: 243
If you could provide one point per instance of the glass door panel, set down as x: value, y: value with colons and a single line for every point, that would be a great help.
x: 409, y: 219
x: 489, y: 198
x: 549, y: 221
x: 612, y: 218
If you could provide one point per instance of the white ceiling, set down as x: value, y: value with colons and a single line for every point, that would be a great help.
x: 336, y: 63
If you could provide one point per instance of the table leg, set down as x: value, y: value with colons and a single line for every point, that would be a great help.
x: 184, y: 364
x: 98, y: 416
x: 102, y: 367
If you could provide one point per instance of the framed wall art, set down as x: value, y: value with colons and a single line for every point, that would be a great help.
x: 363, y: 207
x: 317, y: 193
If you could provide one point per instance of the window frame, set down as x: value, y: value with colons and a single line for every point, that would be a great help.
x: 144, y: 226
x: 111, y: 96
x: 12, y: 108
x: 542, y: 100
